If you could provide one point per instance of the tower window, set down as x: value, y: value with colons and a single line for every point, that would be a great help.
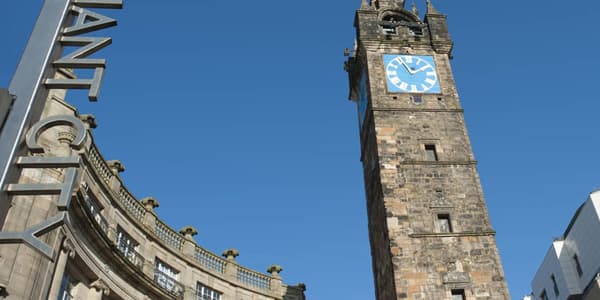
x: 458, y: 295
x: 543, y: 295
x: 416, y: 30
x: 577, y: 265
x: 430, y: 152
x: 417, y: 99
x: 444, y: 224
x: 389, y: 30
x: 389, y: 24
x: 554, y: 285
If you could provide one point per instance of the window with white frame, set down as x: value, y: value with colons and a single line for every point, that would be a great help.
x: 94, y: 210
x: 127, y: 245
x: 165, y: 275
x: 205, y: 293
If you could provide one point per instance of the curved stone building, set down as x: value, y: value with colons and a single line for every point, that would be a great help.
x: 74, y: 231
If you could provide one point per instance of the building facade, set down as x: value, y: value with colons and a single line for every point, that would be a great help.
x: 571, y: 268
x: 105, y: 243
x: 69, y: 227
x: 431, y: 236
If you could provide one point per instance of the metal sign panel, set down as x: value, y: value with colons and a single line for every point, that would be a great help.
x: 61, y: 23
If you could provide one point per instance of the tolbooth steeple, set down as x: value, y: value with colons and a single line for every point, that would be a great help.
x: 430, y: 232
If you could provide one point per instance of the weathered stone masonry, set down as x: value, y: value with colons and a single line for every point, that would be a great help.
x: 408, y: 195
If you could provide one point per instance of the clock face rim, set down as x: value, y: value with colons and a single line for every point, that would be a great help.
x: 392, y: 88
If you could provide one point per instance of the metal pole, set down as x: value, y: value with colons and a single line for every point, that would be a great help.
x: 27, y: 85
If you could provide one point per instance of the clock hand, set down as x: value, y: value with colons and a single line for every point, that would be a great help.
x: 410, y: 71
x: 421, y: 69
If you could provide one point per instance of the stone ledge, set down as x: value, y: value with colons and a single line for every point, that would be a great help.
x: 450, y: 110
x: 438, y: 163
x: 452, y: 234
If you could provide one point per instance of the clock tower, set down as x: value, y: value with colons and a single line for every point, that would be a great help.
x: 431, y: 236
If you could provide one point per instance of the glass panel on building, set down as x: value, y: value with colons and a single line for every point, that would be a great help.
x: 65, y: 288
x: 165, y: 275
x: 205, y: 293
x: 127, y: 245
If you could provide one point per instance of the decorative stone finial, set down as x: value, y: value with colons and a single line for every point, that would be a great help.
x: 431, y: 9
x: 188, y: 232
x: 302, y: 286
x: 415, y: 11
x: 116, y: 166
x: 150, y: 203
x: 231, y: 254
x: 274, y: 270
x: 364, y: 5
x: 89, y: 121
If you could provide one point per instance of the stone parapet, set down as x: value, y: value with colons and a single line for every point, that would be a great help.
x: 180, y: 244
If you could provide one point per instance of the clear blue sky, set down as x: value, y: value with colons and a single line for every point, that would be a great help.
x: 233, y: 114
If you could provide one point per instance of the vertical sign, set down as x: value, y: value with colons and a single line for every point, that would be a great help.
x: 61, y: 23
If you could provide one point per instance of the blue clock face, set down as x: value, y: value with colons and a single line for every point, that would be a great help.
x: 411, y: 74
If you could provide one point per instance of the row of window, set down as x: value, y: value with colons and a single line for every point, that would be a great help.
x: 544, y: 294
x: 165, y: 280
x: 164, y: 275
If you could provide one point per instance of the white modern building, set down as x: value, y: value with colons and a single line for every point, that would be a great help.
x: 571, y: 267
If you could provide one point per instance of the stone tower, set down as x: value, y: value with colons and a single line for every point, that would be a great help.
x: 431, y: 236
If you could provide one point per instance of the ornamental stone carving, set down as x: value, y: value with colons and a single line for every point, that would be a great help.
x: 150, y: 203
x: 188, y: 232
x: 89, y: 121
x: 115, y: 166
x: 231, y: 254
x: 68, y: 248
x: 274, y: 270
